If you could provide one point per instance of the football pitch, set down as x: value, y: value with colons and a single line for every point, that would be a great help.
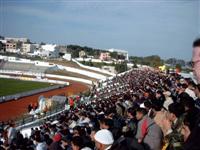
x: 12, y: 86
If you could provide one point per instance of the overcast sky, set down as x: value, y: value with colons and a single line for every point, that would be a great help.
x: 142, y: 27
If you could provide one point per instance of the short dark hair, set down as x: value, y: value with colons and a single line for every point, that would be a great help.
x: 192, y: 83
x: 177, y: 109
x: 142, y: 110
x: 198, y: 87
x: 132, y: 111
x: 78, y: 141
x: 188, y: 102
x: 108, y: 122
x: 196, y: 43
x: 38, y: 138
x: 148, y: 104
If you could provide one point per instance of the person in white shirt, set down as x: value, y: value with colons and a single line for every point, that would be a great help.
x: 168, y: 99
x: 39, y: 144
x: 190, y: 90
x: 11, y: 133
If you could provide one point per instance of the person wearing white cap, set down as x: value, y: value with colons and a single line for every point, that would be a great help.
x: 103, y: 139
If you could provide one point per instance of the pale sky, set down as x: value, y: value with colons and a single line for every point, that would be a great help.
x: 142, y: 27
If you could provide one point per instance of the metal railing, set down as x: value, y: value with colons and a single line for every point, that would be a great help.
x: 31, y: 120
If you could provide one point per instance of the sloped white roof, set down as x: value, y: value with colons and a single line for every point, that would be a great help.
x: 117, y: 50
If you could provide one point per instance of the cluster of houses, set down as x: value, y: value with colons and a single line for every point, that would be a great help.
x: 25, y: 47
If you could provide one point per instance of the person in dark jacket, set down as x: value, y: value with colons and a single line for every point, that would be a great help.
x: 131, y: 127
x: 56, y: 145
x: 173, y: 125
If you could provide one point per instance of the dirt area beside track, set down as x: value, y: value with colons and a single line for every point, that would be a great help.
x: 15, y: 108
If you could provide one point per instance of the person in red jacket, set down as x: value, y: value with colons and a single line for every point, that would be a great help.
x: 71, y: 102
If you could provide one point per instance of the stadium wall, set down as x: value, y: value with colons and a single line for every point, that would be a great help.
x: 70, y: 69
x: 69, y: 78
x: 34, y: 79
x: 28, y: 93
x: 83, y: 72
x: 93, y: 68
x: 46, y: 75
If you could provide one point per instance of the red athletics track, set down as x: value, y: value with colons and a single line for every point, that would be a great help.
x: 12, y: 109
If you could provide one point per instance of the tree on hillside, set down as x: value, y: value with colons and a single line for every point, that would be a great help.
x: 75, y: 49
x: 114, y: 55
x: 121, y: 67
x: 178, y: 67
x: 153, y: 61
x: 42, y: 43
x: 174, y: 62
x: 135, y: 65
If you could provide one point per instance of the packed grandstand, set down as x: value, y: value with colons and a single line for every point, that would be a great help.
x: 140, y: 109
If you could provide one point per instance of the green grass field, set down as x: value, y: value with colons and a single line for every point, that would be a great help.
x: 12, y: 86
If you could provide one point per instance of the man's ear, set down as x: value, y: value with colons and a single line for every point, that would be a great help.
x: 101, y: 146
x: 174, y: 116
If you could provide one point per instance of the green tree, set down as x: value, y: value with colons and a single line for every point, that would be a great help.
x: 122, y: 67
x: 114, y: 55
x: 135, y: 65
x: 179, y: 67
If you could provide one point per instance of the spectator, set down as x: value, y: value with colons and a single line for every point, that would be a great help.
x: 103, y: 139
x: 196, y: 59
x: 106, y: 123
x: 56, y: 145
x: 39, y: 144
x: 168, y: 99
x: 191, y: 133
x: 197, y: 92
x: 77, y: 143
x: 173, y: 125
x: 131, y: 127
x: 148, y: 131
x: 11, y: 133
x: 114, y: 108
x: 66, y: 143
x: 190, y: 89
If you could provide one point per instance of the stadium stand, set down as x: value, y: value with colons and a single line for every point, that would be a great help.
x: 138, y: 110
x: 38, y: 69
x: 22, y: 67
x: 16, y: 66
x: 1, y: 63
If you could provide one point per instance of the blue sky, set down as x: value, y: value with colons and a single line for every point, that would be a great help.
x: 142, y: 27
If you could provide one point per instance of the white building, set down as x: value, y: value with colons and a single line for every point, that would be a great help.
x: 104, y: 56
x: 23, y: 40
x: 120, y: 52
x: 27, y: 48
x: 12, y: 47
x: 37, y: 46
x: 67, y: 57
x: 2, y: 45
x: 49, y: 51
x: 3, y: 41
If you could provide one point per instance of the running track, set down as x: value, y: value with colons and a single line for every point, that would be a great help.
x: 12, y: 109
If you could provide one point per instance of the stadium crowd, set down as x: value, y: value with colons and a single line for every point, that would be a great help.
x: 143, y: 109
